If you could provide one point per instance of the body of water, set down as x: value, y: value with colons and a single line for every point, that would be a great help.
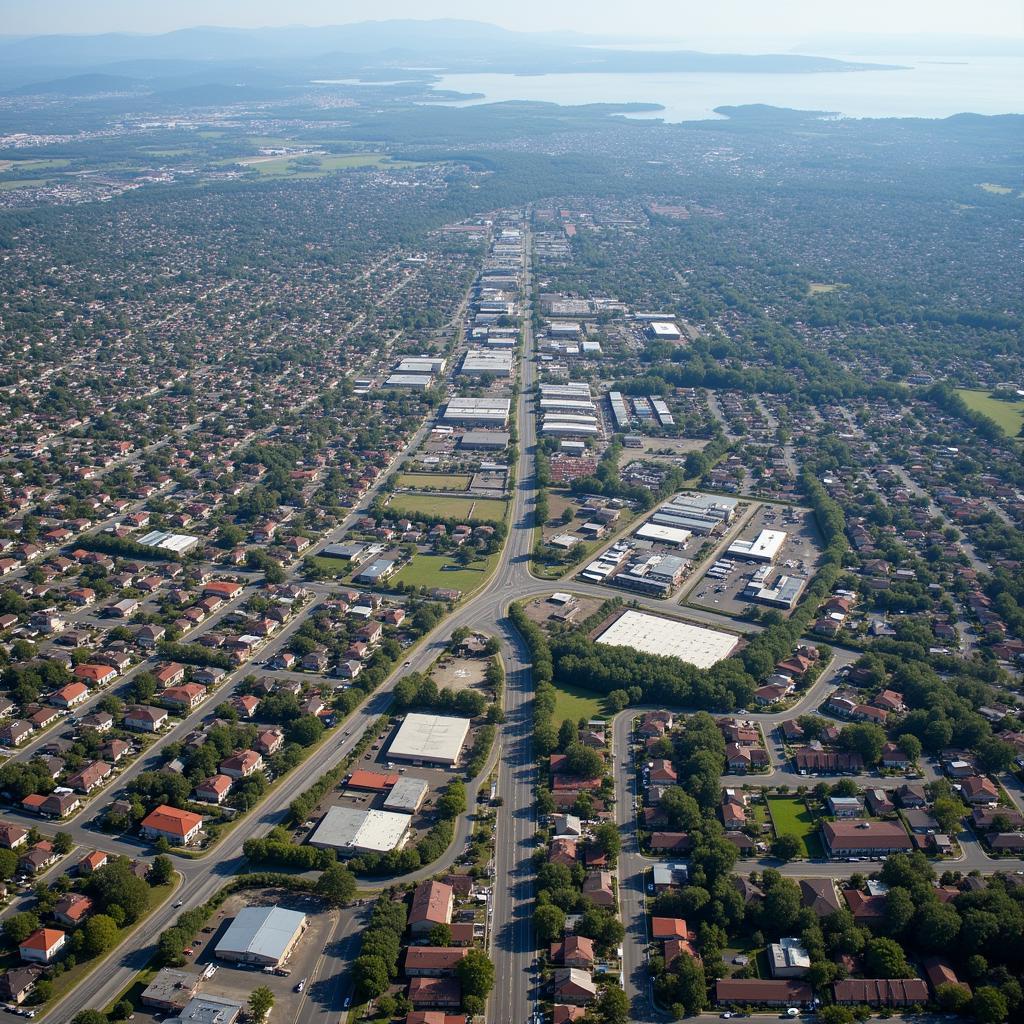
x: 928, y: 88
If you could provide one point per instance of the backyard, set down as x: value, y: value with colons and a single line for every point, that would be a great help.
x: 791, y: 818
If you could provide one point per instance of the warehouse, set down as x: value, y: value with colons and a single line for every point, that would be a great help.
x: 351, y: 831
x: 654, y: 634
x: 764, y: 547
x: 564, y: 329
x: 478, y: 362
x: 620, y: 414
x: 262, y: 935
x: 430, y: 739
x: 486, y: 412
x: 663, y: 330
x: 179, y: 543
x: 406, y: 796
x: 569, y: 425
x: 572, y: 389
x: 661, y: 534
x: 409, y: 381
x: 783, y: 593
x: 376, y: 572
x: 484, y: 440
x: 422, y: 364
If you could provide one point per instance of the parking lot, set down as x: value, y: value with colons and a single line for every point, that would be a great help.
x: 237, y: 981
x: 800, y: 556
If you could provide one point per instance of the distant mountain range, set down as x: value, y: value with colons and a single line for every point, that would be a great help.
x: 366, y: 49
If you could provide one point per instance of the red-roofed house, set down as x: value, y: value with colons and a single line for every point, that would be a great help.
x: 176, y: 826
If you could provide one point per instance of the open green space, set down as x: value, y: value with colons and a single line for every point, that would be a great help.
x: 435, y: 481
x: 314, y: 166
x: 444, y: 571
x: 574, y: 703
x: 823, y: 287
x: 791, y: 818
x: 489, y: 509
x: 1009, y: 416
x: 23, y: 183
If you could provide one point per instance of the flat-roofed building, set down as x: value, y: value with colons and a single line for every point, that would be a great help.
x: 484, y: 440
x: 422, y: 364
x: 350, y: 831
x: 479, y: 362
x: 784, y: 592
x: 406, y: 796
x: 179, y: 543
x: 409, y: 381
x: 663, y: 330
x: 262, y: 935
x: 207, y: 1009
x: 484, y: 412
x: 430, y: 739
x: 172, y: 988
x: 764, y: 547
x: 661, y: 534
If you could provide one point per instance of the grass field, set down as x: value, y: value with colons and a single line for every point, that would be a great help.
x: 1008, y: 415
x: 444, y: 571
x: 822, y: 287
x: 435, y: 481
x: 490, y: 509
x: 23, y: 183
x: 575, y: 703
x: 792, y: 818
x: 286, y: 167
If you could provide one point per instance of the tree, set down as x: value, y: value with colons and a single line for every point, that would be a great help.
x: 337, y: 885
x: 116, y: 885
x: 8, y: 863
x: 866, y: 739
x: 910, y: 745
x: 260, y: 1002
x: 440, y: 935
x: 989, y: 1006
x: 606, y: 838
x: 549, y: 921
x: 89, y: 1017
x: 453, y: 803
x: 100, y: 934
x: 835, y: 1015
x: 884, y: 958
x: 601, y: 925
x: 567, y: 734
x: 18, y: 927
x: 476, y: 974
x: 937, y: 925
x: 948, y: 812
x: 305, y: 731
x: 953, y: 998
x: 371, y: 973
x: 161, y: 871
x: 63, y: 843
x: 786, y: 846
x: 582, y: 761
x: 899, y: 910
x: 613, y: 1005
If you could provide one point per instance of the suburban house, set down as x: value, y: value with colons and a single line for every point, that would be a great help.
x: 433, y: 961
x: 432, y: 903
x: 178, y: 827
x: 879, y: 992
x: 42, y: 946
x: 70, y: 695
x: 214, y: 789
x: 864, y: 838
x: 184, y: 697
x: 242, y: 765
x: 763, y: 992
x: 574, y: 986
x: 143, y: 718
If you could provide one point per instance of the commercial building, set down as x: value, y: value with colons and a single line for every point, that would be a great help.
x: 788, y: 958
x: 660, y: 534
x: 406, y: 796
x: 764, y: 547
x: 865, y: 838
x: 171, y: 989
x: 207, y: 1009
x: 422, y: 364
x: 377, y: 571
x: 409, y: 381
x: 484, y: 412
x: 262, y: 935
x: 699, y: 513
x: 654, y: 634
x: 478, y: 362
x: 351, y: 831
x: 663, y: 330
x: 430, y: 739
x: 577, y: 425
x: 484, y: 440
x: 783, y: 593
x: 179, y: 543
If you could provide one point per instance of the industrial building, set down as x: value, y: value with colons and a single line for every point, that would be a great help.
x: 179, y: 543
x: 570, y: 425
x: 652, y: 574
x: 620, y: 414
x: 422, y: 364
x: 661, y: 534
x: 480, y: 361
x: 783, y: 593
x: 699, y: 513
x: 406, y: 796
x: 484, y: 440
x: 486, y: 412
x: 350, y: 831
x: 764, y: 547
x: 262, y: 935
x: 663, y: 330
x: 409, y: 381
x: 654, y: 634
x: 430, y: 739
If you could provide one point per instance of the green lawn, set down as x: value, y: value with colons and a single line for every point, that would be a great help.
x: 445, y: 571
x: 792, y: 818
x: 286, y: 166
x: 573, y: 702
x: 435, y: 481
x: 1009, y: 416
x: 489, y: 509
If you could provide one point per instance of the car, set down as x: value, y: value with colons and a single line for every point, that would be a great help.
x: 348, y: 1002
x: 301, y: 985
x: 727, y: 1015
x: 792, y: 1012
x: 187, y: 951
x: 180, y: 903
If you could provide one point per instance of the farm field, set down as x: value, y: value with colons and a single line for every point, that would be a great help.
x: 435, y: 481
x: 444, y: 571
x: 1008, y: 415
x: 791, y: 818
x: 489, y: 509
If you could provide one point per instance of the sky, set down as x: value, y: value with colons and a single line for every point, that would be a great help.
x: 694, y: 20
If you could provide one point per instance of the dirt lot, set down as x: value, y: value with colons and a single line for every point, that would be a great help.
x: 558, y: 502
x: 800, y: 556
x: 236, y: 981
x: 460, y: 673
x: 541, y: 609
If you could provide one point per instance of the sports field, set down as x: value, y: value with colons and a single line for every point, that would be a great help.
x: 1008, y: 415
x: 489, y: 509
x: 443, y: 571
x: 435, y: 481
x: 791, y: 818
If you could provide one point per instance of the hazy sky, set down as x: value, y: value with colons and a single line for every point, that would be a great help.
x: 686, y: 19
